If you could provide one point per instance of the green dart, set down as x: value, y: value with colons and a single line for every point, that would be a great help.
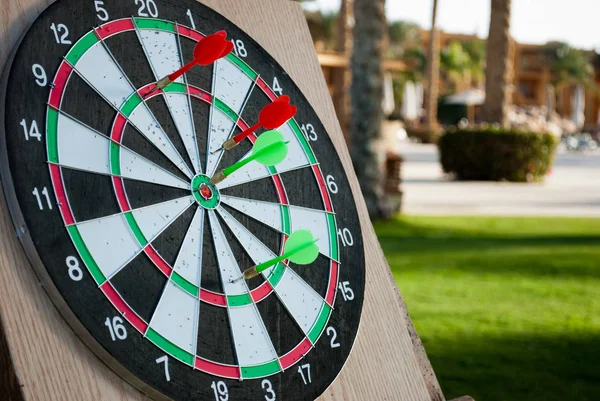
x: 300, y: 248
x: 269, y: 150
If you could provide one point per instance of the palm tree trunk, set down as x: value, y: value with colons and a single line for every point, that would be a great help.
x: 499, y: 71
x: 367, y: 102
x: 341, y: 77
x: 433, y: 73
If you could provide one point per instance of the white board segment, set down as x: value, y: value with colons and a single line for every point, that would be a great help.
x: 227, y: 264
x: 81, y: 148
x: 176, y: 317
x: 252, y: 342
x: 179, y: 107
x: 231, y: 84
x: 300, y: 299
x: 136, y: 167
x: 99, y: 69
x: 152, y: 220
x: 162, y: 50
x: 143, y: 120
x: 189, y: 260
x: 250, y: 172
x: 110, y: 242
x: 221, y: 127
x: 257, y: 251
x: 265, y: 212
x: 296, y: 157
x: 316, y: 222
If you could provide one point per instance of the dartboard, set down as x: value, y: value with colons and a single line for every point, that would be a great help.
x: 111, y: 187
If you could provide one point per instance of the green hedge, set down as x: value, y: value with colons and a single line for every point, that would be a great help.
x: 492, y: 154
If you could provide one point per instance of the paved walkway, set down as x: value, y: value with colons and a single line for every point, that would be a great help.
x: 573, y: 189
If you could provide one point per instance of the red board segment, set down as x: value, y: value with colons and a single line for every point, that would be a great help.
x: 263, y: 85
x: 60, y: 81
x: 189, y: 33
x: 296, y: 354
x: 120, y: 192
x: 323, y: 187
x: 158, y: 260
x: 231, y: 372
x: 122, y: 307
x: 283, y: 199
x: 61, y: 197
x: 261, y: 292
x: 118, y: 128
x: 200, y: 94
x: 114, y: 27
x: 213, y: 298
x: 333, y: 282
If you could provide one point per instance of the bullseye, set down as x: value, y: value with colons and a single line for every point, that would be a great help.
x: 205, y: 193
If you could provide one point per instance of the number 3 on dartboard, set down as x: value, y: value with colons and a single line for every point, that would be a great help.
x: 268, y: 387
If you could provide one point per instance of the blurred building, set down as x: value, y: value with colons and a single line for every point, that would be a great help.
x: 531, y: 75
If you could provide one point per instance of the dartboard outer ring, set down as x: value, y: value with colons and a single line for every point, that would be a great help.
x: 34, y: 258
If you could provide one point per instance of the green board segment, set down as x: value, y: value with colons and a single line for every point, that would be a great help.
x: 133, y: 225
x: 115, y: 159
x: 176, y: 87
x: 303, y: 142
x: 267, y: 369
x: 239, y: 300
x: 285, y: 219
x: 130, y: 105
x: 276, y: 275
x: 225, y: 109
x: 82, y: 46
x: 319, y: 325
x: 86, y: 255
x: 156, y: 24
x: 243, y: 66
x: 333, y: 240
x: 169, y: 347
x: 184, y: 284
x: 52, y: 135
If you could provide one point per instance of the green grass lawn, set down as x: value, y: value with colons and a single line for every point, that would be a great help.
x: 508, y: 308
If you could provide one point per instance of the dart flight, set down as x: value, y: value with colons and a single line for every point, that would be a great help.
x: 300, y: 248
x: 271, y: 117
x: 269, y: 150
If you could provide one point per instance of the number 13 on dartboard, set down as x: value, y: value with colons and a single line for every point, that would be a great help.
x: 117, y: 120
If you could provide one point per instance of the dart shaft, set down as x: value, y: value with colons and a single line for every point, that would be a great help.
x: 246, y: 133
x: 232, y: 169
x: 264, y: 266
x: 174, y: 76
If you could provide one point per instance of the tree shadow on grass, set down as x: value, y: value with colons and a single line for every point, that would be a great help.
x: 483, y: 252
x: 526, y: 367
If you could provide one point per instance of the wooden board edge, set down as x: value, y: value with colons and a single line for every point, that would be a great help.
x: 9, y: 383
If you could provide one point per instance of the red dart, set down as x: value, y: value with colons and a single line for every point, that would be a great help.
x: 206, y: 52
x: 273, y: 116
